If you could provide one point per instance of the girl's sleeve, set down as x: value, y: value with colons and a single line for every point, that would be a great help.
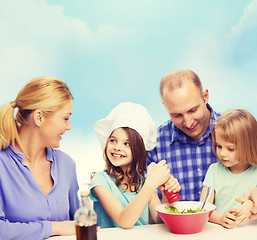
x: 99, y: 180
x: 209, y: 180
x: 23, y: 231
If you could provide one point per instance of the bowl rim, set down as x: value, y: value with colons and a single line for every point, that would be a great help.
x: 208, y: 207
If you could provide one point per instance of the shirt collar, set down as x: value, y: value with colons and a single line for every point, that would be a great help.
x: 20, y: 156
x: 15, y: 152
x: 50, y: 154
x: 184, y: 138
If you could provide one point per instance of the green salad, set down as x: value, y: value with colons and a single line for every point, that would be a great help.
x: 172, y: 209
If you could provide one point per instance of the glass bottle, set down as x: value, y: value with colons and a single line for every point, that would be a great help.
x: 85, y: 219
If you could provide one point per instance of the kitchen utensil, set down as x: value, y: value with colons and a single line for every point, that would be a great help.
x: 171, y: 196
x: 209, y: 190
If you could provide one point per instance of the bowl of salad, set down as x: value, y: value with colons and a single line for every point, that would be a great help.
x: 185, y: 217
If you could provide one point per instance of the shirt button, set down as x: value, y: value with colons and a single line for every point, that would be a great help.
x: 198, y: 170
x: 199, y: 192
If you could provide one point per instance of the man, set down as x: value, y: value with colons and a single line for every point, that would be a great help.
x: 185, y: 140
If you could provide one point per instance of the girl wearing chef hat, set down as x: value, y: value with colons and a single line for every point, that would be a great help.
x: 123, y: 195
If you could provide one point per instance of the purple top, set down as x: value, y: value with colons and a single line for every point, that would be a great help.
x: 25, y: 211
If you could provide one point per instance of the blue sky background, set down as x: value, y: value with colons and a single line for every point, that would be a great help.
x: 111, y: 51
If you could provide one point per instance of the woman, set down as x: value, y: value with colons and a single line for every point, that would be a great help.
x: 38, y: 183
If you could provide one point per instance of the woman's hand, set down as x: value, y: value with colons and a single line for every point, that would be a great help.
x: 63, y: 228
x: 252, y: 195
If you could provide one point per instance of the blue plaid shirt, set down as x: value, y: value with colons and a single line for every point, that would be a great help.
x: 187, y: 159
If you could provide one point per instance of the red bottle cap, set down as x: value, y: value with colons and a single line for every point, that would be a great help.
x: 171, y: 196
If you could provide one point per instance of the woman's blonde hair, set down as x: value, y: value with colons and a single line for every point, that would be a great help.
x: 238, y: 127
x: 42, y: 93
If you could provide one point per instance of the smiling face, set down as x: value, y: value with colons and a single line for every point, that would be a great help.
x: 55, y: 126
x: 187, y: 109
x: 118, y: 149
x: 226, y: 153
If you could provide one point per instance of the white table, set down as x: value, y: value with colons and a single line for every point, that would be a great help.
x: 210, y: 231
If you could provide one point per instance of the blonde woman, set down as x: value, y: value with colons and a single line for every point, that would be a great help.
x: 38, y: 183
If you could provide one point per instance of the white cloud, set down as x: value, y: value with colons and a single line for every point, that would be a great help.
x: 85, y: 151
x: 241, y: 40
x: 226, y: 63
x: 245, y: 23
x: 37, y: 39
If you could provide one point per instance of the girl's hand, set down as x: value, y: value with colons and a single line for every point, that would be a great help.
x: 158, y: 174
x: 229, y: 219
x: 172, y: 185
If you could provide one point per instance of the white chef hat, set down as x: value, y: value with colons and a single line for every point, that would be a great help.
x: 130, y: 115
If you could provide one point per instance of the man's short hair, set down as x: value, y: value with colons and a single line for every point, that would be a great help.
x: 175, y: 79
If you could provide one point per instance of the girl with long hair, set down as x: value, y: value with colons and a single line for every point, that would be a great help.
x: 123, y: 193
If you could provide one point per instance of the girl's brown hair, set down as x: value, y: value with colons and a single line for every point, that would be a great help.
x: 137, y: 169
x: 240, y: 128
x: 43, y: 93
